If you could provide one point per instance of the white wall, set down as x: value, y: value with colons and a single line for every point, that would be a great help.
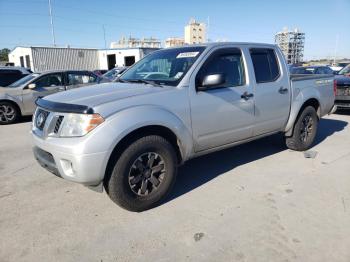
x: 15, y: 55
x: 119, y: 55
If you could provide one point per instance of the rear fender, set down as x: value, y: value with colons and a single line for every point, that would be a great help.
x: 300, y: 98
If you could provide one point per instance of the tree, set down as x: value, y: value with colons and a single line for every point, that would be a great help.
x: 4, y: 54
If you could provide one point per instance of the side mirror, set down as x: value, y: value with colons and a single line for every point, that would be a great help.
x: 32, y: 86
x: 211, y: 81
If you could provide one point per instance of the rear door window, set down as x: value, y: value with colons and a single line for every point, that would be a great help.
x: 79, y: 78
x: 265, y: 64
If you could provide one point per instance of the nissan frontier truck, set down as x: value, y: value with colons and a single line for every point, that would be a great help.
x: 175, y: 104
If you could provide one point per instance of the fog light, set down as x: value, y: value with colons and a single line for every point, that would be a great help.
x: 67, y: 167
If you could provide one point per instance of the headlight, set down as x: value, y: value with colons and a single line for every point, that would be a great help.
x: 79, y: 124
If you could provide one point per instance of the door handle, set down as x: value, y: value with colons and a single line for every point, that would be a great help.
x: 283, y: 90
x: 247, y: 96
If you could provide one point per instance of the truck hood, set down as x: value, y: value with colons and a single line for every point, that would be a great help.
x: 95, y: 95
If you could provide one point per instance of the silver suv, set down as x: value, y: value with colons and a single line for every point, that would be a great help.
x: 18, y: 99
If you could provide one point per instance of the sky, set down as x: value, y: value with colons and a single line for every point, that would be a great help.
x: 80, y: 23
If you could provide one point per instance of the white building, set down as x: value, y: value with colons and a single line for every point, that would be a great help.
x: 195, y: 33
x: 116, y: 57
x: 292, y: 44
x: 174, y: 41
x: 132, y: 42
x: 40, y: 58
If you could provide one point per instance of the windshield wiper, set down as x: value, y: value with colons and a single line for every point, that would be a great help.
x: 143, y: 81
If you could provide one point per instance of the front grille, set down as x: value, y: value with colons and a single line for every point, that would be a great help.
x: 343, y: 92
x: 40, y: 118
x: 58, y: 124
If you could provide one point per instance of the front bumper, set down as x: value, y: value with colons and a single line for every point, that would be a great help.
x: 86, y: 169
x: 342, y: 100
x: 342, y: 103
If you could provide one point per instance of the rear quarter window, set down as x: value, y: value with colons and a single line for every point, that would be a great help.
x: 265, y: 64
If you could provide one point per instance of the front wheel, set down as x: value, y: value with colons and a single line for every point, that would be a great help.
x: 8, y: 113
x: 304, y: 131
x: 143, y: 174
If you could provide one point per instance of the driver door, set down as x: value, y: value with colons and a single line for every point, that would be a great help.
x: 223, y: 114
x: 45, y: 85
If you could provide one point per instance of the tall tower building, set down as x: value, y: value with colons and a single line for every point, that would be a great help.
x: 292, y: 45
x: 195, y: 33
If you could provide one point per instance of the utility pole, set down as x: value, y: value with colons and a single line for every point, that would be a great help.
x: 208, y: 23
x: 104, y: 37
x: 336, y: 49
x: 52, y: 25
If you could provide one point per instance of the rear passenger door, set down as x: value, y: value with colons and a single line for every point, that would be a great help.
x: 272, y: 91
x: 79, y: 79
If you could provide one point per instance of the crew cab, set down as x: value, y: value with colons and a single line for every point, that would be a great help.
x: 173, y: 105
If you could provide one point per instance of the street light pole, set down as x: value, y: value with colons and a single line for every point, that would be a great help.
x: 52, y: 25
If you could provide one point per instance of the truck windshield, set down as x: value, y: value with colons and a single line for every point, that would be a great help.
x: 164, y: 67
x: 23, y: 80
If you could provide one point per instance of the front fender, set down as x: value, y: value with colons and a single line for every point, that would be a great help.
x: 122, y: 123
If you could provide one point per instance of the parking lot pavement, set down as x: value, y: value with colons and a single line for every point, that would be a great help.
x: 255, y: 202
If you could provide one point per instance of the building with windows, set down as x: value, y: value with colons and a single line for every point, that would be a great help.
x: 132, y: 42
x: 292, y: 45
x: 174, y: 41
x: 195, y: 33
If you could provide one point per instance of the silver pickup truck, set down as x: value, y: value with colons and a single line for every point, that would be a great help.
x: 173, y: 105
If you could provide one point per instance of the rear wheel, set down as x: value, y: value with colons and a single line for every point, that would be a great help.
x: 304, y: 131
x: 143, y: 174
x: 8, y: 113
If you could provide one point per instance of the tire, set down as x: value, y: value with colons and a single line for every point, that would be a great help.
x: 8, y: 113
x: 304, y: 131
x: 137, y: 184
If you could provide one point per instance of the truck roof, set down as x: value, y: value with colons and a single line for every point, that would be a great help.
x: 214, y: 44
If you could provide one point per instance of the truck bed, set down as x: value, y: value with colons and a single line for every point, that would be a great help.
x: 300, y: 77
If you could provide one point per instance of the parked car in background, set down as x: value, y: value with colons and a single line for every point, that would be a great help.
x: 113, y: 73
x: 317, y: 70
x: 18, y: 99
x: 342, y: 99
x: 339, y: 66
x: 173, y: 105
x: 10, y: 74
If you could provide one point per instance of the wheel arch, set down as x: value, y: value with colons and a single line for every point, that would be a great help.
x: 137, y: 133
x: 13, y: 103
x: 315, y: 103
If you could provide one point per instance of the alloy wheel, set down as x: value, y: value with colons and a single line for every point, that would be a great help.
x: 306, y: 128
x: 7, y: 113
x: 146, y: 173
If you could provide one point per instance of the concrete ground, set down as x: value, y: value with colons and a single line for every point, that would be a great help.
x: 255, y: 202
